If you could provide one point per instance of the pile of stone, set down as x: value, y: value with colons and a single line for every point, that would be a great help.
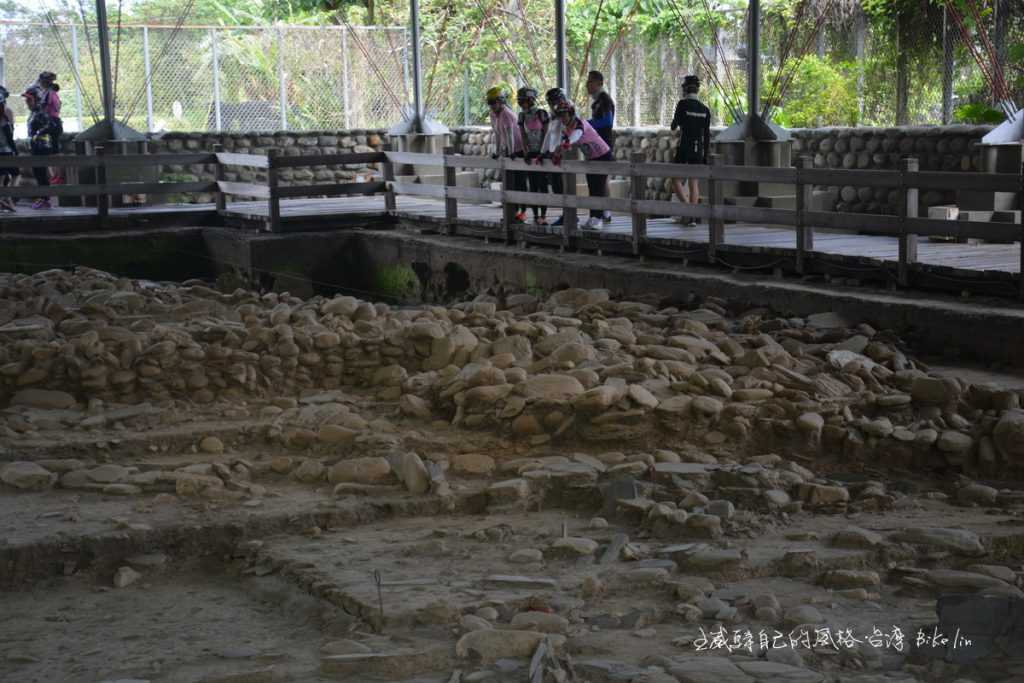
x: 579, y: 365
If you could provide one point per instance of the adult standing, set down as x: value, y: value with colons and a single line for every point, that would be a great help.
x: 693, y: 119
x: 602, y: 119
x: 8, y: 148
x: 44, y: 126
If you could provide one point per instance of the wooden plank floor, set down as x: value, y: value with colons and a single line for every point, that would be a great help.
x: 1003, y: 258
x: 998, y: 257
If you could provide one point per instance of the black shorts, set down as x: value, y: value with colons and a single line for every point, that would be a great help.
x: 685, y: 156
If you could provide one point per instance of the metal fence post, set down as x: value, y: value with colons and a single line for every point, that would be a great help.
x: 716, y: 226
x: 465, y: 98
x: 282, y: 89
x: 345, y: 78
x: 804, y: 196
x: 149, y: 79
x: 908, y: 209
x: 78, y: 76
x: 216, y: 79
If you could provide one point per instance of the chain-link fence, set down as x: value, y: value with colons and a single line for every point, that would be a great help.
x: 320, y: 78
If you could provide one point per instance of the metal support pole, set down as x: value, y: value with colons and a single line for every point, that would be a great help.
x: 417, y: 85
x: 78, y: 76
x: 3, y: 56
x: 754, y: 58
x: 466, y: 116
x: 103, y: 38
x: 216, y: 79
x: 613, y: 76
x: 638, y: 76
x: 561, y: 65
x: 282, y: 88
x: 345, y: 78
x: 947, y: 69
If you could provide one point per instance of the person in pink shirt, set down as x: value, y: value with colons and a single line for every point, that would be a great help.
x: 578, y: 133
x: 508, y: 140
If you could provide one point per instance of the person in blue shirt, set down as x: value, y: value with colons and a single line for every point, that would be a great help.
x: 602, y: 118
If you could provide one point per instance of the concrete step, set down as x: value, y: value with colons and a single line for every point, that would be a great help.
x: 978, y: 200
x: 777, y: 202
x: 740, y: 201
x: 468, y: 179
x: 946, y: 212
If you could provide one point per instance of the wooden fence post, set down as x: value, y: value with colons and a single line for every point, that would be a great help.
x: 1020, y: 203
x: 102, y: 199
x: 388, y: 170
x: 451, y: 204
x: 569, y: 214
x: 804, y: 198
x: 716, y: 226
x: 273, y: 202
x: 508, y: 210
x: 218, y: 175
x: 637, y: 186
x: 908, y: 209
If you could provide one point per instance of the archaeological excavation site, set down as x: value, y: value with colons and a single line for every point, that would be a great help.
x: 214, y: 486
x: 512, y: 341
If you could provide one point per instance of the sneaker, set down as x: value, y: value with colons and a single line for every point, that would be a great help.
x: 592, y: 224
x: 558, y: 221
x: 41, y: 204
x: 607, y: 217
x: 519, y: 217
x: 540, y: 220
x: 692, y: 224
x: 56, y: 180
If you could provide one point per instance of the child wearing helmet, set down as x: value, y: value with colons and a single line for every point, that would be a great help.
x: 693, y: 119
x: 553, y: 140
x: 578, y: 133
x: 44, y: 126
x: 508, y: 142
x: 8, y: 174
x: 533, y: 128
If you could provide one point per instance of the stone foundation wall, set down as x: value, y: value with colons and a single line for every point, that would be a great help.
x: 286, y: 143
x: 945, y: 148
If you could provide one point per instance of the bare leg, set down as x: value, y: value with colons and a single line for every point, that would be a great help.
x: 694, y: 190
x: 680, y: 189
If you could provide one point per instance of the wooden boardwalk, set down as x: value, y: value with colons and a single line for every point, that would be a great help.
x: 323, y: 213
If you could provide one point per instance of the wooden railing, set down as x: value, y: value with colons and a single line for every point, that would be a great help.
x: 102, y: 190
x: 271, y: 191
x: 907, y: 226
